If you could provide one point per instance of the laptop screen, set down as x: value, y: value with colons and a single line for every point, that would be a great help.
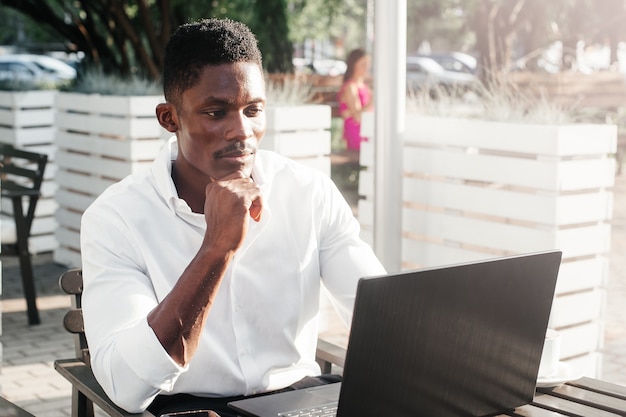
x: 456, y: 340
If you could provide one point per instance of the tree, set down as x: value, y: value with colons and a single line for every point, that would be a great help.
x: 129, y: 36
x: 275, y: 44
x: 438, y: 23
x: 20, y: 32
x: 495, y: 23
x: 500, y: 32
x: 342, y: 22
x: 608, y: 25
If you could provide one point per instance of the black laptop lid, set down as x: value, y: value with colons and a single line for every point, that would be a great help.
x: 462, y: 340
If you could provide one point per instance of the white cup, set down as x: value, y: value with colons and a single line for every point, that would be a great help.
x: 551, y: 353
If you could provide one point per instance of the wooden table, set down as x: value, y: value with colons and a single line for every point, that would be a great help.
x: 8, y: 409
x: 586, y: 397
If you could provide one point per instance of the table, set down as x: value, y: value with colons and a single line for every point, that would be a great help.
x: 585, y: 397
x: 8, y: 409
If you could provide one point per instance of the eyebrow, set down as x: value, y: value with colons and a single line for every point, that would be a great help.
x: 228, y: 102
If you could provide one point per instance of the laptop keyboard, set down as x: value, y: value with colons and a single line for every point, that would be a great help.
x: 326, y: 410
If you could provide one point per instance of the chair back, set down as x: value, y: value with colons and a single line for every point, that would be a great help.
x: 21, y: 175
x: 71, y: 282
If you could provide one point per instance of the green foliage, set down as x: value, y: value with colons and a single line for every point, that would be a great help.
x: 274, y: 44
x: 96, y: 81
x: 323, y: 19
x: 20, y: 30
x: 337, y: 142
x: 438, y: 22
x: 288, y: 89
x: 497, y: 100
x: 128, y: 37
x: 23, y: 85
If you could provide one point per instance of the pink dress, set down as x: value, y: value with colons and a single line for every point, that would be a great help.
x: 352, y: 128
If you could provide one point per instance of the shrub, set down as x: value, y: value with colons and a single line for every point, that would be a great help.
x: 95, y: 81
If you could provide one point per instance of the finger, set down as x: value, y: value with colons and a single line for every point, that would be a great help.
x: 256, y: 208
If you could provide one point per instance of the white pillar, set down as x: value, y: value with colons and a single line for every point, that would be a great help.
x: 389, y: 67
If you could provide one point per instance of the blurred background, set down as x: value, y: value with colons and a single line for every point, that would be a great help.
x: 314, y: 36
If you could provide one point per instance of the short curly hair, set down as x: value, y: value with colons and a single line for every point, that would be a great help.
x: 197, y: 44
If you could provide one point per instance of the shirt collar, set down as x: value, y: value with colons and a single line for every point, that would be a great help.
x: 162, y: 173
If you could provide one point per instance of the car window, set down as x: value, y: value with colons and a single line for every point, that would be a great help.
x: 20, y: 68
x: 412, y: 67
x: 10, y: 70
x: 44, y: 68
x: 453, y: 65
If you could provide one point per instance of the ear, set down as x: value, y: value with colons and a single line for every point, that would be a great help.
x: 167, y: 117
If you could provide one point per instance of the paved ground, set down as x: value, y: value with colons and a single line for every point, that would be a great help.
x: 28, y: 378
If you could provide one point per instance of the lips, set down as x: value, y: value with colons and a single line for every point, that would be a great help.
x: 235, y: 154
x: 236, y: 150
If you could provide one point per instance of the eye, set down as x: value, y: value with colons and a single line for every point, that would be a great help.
x: 215, y: 113
x: 254, y: 111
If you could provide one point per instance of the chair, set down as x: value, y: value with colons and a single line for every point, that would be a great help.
x: 85, y: 388
x: 21, y: 175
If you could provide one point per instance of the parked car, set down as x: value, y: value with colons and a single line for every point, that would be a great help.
x: 425, y: 73
x: 455, y: 61
x: 35, y: 68
x: 330, y: 67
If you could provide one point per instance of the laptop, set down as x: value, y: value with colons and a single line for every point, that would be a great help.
x: 459, y: 340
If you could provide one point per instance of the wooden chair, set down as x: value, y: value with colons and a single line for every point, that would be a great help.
x: 85, y: 389
x: 21, y: 174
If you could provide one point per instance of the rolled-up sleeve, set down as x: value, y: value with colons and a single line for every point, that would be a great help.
x: 127, y: 358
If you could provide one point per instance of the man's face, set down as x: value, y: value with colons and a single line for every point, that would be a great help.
x: 221, y: 120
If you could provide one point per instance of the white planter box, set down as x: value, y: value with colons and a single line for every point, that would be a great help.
x: 100, y: 140
x: 300, y: 132
x: 474, y: 189
x: 27, y: 122
x: 27, y: 117
x: 127, y: 107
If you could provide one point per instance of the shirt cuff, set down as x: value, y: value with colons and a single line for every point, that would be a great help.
x: 145, y: 356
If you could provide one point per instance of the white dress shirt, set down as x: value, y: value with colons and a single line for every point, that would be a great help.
x: 261, y: 332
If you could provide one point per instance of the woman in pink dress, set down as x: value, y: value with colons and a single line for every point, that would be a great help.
x: 355, y: 96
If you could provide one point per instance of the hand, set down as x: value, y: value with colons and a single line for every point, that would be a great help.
x: 228, y: 203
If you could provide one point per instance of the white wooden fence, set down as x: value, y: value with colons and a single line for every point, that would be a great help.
x: 100, y: 140
x: 474, y: 190
x: 300, y: 132
x: 27, y: 122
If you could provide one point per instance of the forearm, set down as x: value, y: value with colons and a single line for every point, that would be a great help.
x: 179, y: 319
x: 354, y: 109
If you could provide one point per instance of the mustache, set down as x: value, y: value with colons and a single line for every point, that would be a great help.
x: 236, y: 148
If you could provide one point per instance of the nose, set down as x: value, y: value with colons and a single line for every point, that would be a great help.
x: 240, y: 127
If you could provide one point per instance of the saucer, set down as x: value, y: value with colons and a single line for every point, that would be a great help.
x: 564, y: 373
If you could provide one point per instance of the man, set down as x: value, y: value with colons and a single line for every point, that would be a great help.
x: 202, y: 275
